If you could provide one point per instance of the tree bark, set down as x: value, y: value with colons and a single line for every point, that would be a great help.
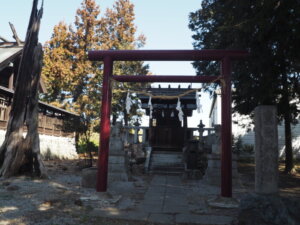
x: 289, y: 160
x: 19, y: 154
x: 125, y: 117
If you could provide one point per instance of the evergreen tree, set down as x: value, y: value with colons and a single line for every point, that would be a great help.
x: 269, y: 30
x: 72, y: 80
x: 57, y: 70
x: 119, y: 34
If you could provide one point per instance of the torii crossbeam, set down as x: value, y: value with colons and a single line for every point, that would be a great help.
x: 224, y: 56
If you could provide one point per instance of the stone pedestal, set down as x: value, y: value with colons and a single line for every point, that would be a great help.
x: 216, y: 149
x: 266, y: 150
x: 213, y: 171
x: 88, y: 177
x: 117, y: 170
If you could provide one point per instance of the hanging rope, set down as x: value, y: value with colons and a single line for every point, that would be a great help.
x: 168, y: 97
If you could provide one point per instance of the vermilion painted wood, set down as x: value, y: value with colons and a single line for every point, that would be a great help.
x: 226, y: 162
x: 166, y: 55
x: 166, y: 78
x: 103, y: 153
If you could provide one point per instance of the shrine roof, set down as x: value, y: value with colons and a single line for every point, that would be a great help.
x: 169, y: 92
x: 8, y: 52
x: 42, y: 105
x: 188, y: 101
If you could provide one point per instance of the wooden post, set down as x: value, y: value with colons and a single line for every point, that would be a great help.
x: 11, y: 82
x: 103, y: 153
x: 126, y: 136
x: 185, y: 135
x: 144, y: 135
x: 44, y: 124
x: 226, y: 164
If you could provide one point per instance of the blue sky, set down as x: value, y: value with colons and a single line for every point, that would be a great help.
x: 163, y: 22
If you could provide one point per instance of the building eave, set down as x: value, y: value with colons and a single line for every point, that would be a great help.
x: 10, y: 93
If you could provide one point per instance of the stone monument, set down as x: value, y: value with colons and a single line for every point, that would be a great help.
x: 213, y: 171
x: 266, y: 206
x: 266, y: 150
x: 117, y: 169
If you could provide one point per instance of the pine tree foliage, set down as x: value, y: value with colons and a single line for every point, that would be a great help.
x: 270, y: 31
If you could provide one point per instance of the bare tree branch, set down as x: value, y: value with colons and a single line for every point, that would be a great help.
x: 15, y: 35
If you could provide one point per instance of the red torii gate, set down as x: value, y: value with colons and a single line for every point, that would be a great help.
x: 109, y: 56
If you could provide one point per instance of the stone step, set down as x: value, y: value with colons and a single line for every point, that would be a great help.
x: 165, y: 162
x: 164, y: 172
x: 167, y: 152
x: 166, y: 149
x: 157, y: 160
x: 166, y: 169
x: 166, y: 166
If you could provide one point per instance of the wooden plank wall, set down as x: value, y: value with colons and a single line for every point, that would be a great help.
x: 48, y: 124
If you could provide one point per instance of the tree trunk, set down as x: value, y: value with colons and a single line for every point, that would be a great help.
x: 114, y: 120
x: 89, y: 150
x: 125, y: 117
x: 19, y: 154
x: 289, y: 161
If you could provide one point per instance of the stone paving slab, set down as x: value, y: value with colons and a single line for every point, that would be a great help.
x: 169, y: 200
x: 113, y: 212
x: 154, y: 194
x: 161, y: 218
x: 175, y: 209
x: 150, y: 208
x: 203, y: 219
x: 158, y: 180
x: 135, y: 215
x: 173, y: 191
x: 155, y: 198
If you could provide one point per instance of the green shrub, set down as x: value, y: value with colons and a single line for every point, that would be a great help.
x: 237, y: 145
x: 248, y: 148
x: 87, y: 147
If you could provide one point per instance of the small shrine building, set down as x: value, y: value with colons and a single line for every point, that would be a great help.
x: 166, y: 131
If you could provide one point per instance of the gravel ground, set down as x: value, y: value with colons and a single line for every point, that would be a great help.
x: 60, y: 199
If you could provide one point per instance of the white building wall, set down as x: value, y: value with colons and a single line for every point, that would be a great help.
x: 53, y: 147
x: 242, y: 126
